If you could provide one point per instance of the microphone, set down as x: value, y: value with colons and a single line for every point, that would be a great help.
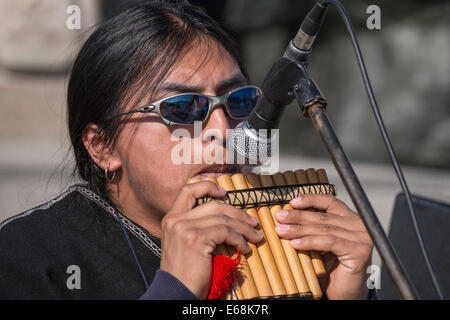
x: 255, y: 135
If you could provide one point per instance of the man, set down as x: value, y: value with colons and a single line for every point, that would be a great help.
x: 133, y: 231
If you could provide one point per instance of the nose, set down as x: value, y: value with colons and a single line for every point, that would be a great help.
x: 216, y: 126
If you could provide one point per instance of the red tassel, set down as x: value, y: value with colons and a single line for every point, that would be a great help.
x: 224, y: 275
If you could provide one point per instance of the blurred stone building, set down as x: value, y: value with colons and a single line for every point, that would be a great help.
x: 36, y: 50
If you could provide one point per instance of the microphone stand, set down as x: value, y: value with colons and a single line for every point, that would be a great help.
x: 313, y: 105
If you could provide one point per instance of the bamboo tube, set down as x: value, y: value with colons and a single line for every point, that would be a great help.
x: 304, y: 256
x: 264, y: 270
x: 315, y: 256
x: 291, y: 253
x: 322, y: 176
x: 221, y: 249
x: 246, y: 281
x: 276, y: 247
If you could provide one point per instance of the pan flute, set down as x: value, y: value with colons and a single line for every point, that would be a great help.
x: 273, y: 268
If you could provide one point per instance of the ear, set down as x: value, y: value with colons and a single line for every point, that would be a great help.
x: 97, y: 149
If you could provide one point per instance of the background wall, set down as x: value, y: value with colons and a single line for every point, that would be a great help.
x: 408, y: 62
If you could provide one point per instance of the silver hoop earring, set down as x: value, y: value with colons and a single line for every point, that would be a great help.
x: 109, y: 179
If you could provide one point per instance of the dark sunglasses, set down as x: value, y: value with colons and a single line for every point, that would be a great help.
x: 186, y: 108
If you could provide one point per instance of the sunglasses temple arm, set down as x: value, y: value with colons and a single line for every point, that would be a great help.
x: 126, y: 113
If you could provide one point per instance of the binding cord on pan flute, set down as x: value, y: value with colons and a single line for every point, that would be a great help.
x: 273, y: 268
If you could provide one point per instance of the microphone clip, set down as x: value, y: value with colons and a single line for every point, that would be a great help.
x: 308, y: 94
x: 306, y: 90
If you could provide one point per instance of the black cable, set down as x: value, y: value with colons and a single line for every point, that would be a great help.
x: 342, y: 12
x: 130, y: 245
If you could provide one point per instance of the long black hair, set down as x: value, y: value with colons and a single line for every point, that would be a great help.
x: 123, y: 60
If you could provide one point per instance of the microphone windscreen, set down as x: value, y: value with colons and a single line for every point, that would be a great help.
x: 252, y: 147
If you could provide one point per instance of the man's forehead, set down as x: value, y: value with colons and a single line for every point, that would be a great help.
x: 199, y: 85
x: 207, y: 62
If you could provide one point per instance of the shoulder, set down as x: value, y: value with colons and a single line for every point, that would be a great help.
x: 45, y: 228
x: 39, y: 244
x: 33, y: 222
x: 72, y: 219
x: 69, y: 216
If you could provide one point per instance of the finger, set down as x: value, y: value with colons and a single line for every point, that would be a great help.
x: 241, y: 227
x: 223, y: 234
x: 293, y: 231
x: 189, y: 193
x: 327, y: 203
x: 313, y: 217
x: 338, y: 246
x: 218, y: 208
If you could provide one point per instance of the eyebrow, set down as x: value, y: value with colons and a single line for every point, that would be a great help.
x: 225, y: 85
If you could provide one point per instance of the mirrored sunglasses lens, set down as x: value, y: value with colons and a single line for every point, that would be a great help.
x: 241, y: 102
x: 184, y: 109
